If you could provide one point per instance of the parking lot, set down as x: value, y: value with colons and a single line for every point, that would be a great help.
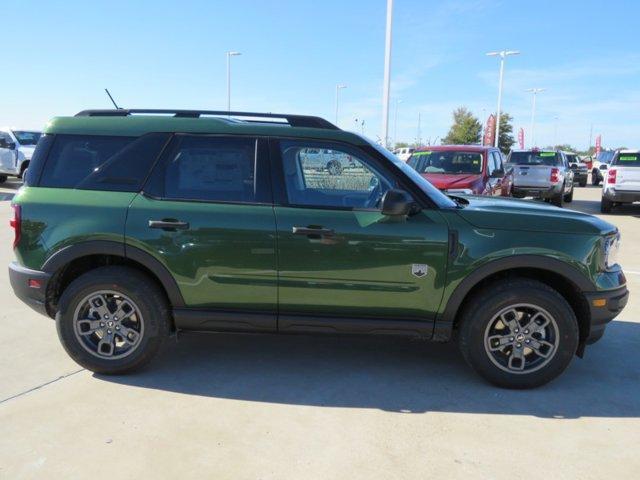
x: 275, y: 407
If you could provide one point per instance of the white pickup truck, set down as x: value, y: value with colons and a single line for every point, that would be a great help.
x: 16, y: 149
x: 621, y: 182
x: 541, y: 174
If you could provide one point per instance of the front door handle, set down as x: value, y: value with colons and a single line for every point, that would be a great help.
x: 168, y: 224
x: 313, y: 232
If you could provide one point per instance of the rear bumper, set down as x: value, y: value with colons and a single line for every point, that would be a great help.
x: 538, y: 192
x: 623, y: 196
x: 614, y: 303
x: 23, y: 281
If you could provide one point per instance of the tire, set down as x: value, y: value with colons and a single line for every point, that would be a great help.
x: 3, y: 178
x: 334, y: 167
x: 148, y: 326
x: 595, y: 179
x: 23, y: 168
x: 605, y: 205
x: 557, y: 199
x: 480, y: 314
x: 569, y: 196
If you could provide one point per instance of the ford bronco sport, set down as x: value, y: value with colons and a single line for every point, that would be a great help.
x: 134, y: 224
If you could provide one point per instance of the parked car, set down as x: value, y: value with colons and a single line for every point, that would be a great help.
x: 580, y: 169
x: 588, y: 162
x: 463, y: 169
x: 134, y: 224
x: 404, y: 153
x: 16, y: 149
x: 541, y: 174
x: 600, y: 164
x: 621, y: 180
x: 323, y: 159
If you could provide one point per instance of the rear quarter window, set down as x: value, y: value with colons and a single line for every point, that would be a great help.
x: 99, y: 162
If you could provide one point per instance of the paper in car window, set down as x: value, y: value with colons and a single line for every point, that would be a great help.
x: 547, y: 154
x: 476, y: 162
x: 628, y: 158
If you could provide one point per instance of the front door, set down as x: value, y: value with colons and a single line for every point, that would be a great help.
x: 338, y: 256
x: 206, y: 213
x: 7, y: 155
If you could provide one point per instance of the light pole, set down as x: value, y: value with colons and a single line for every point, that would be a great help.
x: 387, y: 75
x: 555, y: 130
x: 502, y: 54
x: 338, y: 88
x: 229, y: 55
x: 395, y: 122
x: 535, y: 92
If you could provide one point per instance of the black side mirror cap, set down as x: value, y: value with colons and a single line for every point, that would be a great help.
x: 396, y: 203
x: 603, y: 166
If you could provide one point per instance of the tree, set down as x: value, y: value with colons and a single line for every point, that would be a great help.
x: 506, y: 140
x: 466, y: 128
x: 400, y: 145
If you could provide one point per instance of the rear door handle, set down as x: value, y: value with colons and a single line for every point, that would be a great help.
x: 168, y: 224
x: 313, y: 232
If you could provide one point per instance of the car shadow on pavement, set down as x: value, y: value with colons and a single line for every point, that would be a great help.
x: 592, y: 207
x: 390, y: 374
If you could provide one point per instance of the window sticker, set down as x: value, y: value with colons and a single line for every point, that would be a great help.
x: 547, y: 154
x: 627, y: 158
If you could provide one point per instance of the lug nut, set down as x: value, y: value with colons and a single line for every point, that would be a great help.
x: 109, y: 332
x: 519, y: 345
x: 517, y: 330
x: 102, y: 324
x: 526, y: 331
x: 511, y: 339
x: 118, y: 328
x: 106, y: 316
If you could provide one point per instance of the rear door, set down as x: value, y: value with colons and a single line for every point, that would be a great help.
x: 627, y: 166
x: 206, y: 214
x: 339, y: 256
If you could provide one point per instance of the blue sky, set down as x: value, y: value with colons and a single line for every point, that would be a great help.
x: 59, y: 56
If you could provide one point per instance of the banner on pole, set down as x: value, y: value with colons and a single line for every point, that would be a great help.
x: 521, y: 138
x: 598, y: 144
x: 490, y: 131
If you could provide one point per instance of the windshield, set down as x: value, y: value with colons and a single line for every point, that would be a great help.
x: 447, y: 162
x: 439, y: 198
x: 534, y: 158
x: 27, y: 138
x: 628, y: 160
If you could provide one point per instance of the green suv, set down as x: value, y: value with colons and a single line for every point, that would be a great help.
x: 136, y: 224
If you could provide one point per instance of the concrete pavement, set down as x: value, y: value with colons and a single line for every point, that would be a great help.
x: 297, y: 407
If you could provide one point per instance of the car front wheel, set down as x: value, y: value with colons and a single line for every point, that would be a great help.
x: 518, y: 333
x: 112, y: 320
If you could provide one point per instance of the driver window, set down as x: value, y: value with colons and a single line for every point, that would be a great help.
x: 328, y: 175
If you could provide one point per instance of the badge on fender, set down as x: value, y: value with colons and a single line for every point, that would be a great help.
x: 419, y: 270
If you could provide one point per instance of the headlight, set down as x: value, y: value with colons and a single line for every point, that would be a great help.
x: 465, y: 191
x: 611, y: 249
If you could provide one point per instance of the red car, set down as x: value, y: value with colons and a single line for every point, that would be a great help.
x: 467, y: 169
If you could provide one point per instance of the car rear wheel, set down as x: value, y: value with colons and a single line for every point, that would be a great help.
x: 595, y: 179
x: 606, y: 205
x: 557, y: 199
x: 112, y: 320
x: 518, y: 333
x: 569, y: 196
x: 334, y: 167
x: 3, y: 178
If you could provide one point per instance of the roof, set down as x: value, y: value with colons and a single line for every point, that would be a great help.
x: 444, y: 148
x: 125, y: 124
x: 629, y: 151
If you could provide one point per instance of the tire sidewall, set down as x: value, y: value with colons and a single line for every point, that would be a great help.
x: 478, y: 321
x: 135, y: 286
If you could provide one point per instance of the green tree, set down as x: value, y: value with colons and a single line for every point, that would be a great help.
x: 400, y: 145
x: 466, y: 128
x: 506, y: 140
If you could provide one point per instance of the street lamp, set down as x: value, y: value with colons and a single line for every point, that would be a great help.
x: 387, y: 75
x: 535, y: 92
x: 555, y: 130
x: 338, y: 88
x: 502, y: 54
x: 229, y: 55
x: 395, y: 122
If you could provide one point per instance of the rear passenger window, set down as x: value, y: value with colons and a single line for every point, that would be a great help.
x: 212, y: 169
x: 101, y: 162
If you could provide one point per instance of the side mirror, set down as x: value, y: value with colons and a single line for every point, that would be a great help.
x: 396, y: 203
x: 603, y: 166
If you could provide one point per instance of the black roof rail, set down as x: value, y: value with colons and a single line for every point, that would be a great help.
x: 292, y: 120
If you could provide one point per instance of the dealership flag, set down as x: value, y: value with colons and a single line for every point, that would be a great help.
x: 598, y: 144
x: 490, y: 131
x: 521, y: 138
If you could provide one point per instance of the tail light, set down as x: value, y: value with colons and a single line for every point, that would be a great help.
x: 611, y: 177
x: 554, y: 175
x: 16, y: 224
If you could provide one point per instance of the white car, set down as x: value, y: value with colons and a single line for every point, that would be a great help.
x: 621, y: 183
x: 403, y: 153
x: 16, y: 149
x: 321, y: 159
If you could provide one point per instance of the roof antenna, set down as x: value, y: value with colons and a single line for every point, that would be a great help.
x: 112, y: 100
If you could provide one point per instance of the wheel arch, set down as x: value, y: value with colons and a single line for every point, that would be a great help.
x: 564, y: 278
x: 70, y: 262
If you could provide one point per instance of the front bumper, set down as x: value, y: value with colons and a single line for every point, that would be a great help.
x: 604, y: 307
x: 30, y: 286
x: 622, y: 196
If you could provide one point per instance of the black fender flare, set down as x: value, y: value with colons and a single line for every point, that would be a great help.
x: 105, y: 247
x: 538, y: 262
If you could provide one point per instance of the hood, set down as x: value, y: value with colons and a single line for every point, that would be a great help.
x: 452, y: 180
x: 524, y: 215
